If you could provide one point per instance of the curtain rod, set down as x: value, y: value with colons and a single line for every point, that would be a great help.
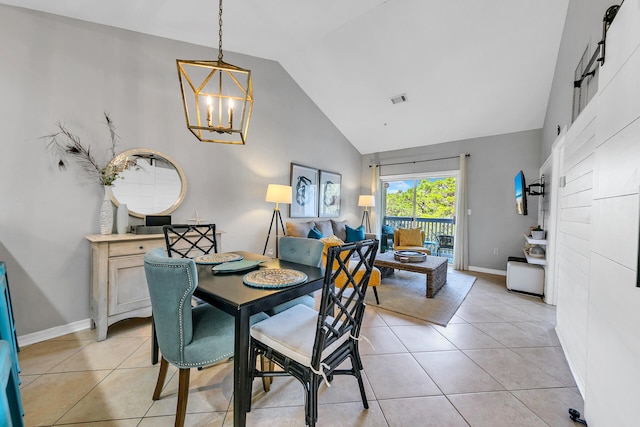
x: 420, y: 161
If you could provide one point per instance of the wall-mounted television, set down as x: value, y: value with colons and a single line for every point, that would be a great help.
x: 521, y: 194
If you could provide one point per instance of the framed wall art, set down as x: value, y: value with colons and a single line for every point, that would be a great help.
x: 304, y: 187
x: 329, y: 200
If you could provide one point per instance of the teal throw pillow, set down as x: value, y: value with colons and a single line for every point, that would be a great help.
x: 387, y: 229
x: 314, y: 233
x: 355, y: 234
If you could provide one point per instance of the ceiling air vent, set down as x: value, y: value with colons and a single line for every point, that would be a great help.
x: 398, y: 98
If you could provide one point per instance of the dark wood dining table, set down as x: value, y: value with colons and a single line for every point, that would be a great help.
x: 228, y: 292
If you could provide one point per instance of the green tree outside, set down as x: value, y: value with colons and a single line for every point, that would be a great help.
x: 434, y: 199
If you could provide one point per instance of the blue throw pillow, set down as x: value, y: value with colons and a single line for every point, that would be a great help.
x: 355, y: 234
x: 314, y: 233
x: 387, y: 229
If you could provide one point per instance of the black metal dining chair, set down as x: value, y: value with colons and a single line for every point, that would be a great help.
x: 310, y: 345
x: 190, y: 240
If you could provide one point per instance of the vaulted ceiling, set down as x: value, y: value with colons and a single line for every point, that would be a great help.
x: 469, y: 68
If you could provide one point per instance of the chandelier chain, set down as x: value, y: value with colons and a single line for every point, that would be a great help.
x: 220, y: 32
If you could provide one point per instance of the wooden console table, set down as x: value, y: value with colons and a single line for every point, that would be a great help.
x: 118, y: 283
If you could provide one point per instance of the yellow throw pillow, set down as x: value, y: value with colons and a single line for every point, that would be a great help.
x: 329, y: 242
x: 410, y: 237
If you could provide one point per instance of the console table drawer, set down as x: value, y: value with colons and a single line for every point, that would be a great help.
x: 139, y: 247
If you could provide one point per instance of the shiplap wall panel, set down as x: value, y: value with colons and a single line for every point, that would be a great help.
x: 572, y: 316
x: 623, y: 93
x: 616, y: 219
x: 579, y: 199
x: 578, y: 245
x: 612, y: 343
x: 623, y: 151
x: 605, y: 296
x: 620, y: 86
x: 581, y: 167
x: 572, y: 261
x: 609, y: 364
x: 582, y: 130
x: 578, y: 266
x: 578, y: 214
x: 582, y: 150
x: 622, y: 40
x: 578, y: 184
x: 577, y: 229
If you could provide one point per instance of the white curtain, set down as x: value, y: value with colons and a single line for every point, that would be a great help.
x: 376, y: 223
x: 461, y: 237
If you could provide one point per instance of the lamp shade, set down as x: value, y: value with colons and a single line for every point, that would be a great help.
x: 278, y: 193
x: 366, y: 200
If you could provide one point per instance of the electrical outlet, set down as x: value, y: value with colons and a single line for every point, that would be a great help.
x: 270, y: 252
x: 496, y: 251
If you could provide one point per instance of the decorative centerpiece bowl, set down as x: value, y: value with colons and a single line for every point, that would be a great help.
x: 409, y: 256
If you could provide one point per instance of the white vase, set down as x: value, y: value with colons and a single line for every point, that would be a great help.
x: 122, y: 219
x: 106, y: 212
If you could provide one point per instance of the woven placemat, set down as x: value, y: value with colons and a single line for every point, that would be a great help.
x: 217, y: 258
x: 274, y: 278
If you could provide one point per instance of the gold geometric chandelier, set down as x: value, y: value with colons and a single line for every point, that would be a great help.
x: 217, y: 97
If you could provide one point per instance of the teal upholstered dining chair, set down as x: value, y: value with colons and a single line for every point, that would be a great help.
x: 303, y: 251
x: 186, y: 241
x: 188, y: 337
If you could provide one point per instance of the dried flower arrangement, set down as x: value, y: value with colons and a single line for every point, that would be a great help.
x: 68, y: 149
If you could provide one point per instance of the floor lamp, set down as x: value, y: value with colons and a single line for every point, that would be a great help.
x: 367, y: 201
x: 277, y: 194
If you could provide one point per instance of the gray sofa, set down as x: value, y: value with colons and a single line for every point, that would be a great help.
x: 326, y: 227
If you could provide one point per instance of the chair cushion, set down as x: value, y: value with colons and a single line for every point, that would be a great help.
x: 410, y: 237
x: 324, y: 227
x: 354, y: 234
x: 374, y: 279
x: 298, y: 229
x: 292, y: 334
x: 314, y: 233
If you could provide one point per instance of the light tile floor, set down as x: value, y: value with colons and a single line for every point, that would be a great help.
x: 497, y: 363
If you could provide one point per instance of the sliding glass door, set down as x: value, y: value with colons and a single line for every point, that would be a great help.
x: 427, y: 202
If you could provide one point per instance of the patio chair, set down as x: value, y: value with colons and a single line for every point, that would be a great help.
x: 444, y: 242
x: 310, y: 345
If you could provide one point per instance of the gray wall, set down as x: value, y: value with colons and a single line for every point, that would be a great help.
x: 57, y: 69
x: 493, y: 164
x: 582, y: 29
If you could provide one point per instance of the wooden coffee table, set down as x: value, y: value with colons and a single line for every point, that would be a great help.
x: 434, y: 267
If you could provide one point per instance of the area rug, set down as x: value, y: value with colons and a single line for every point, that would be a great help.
x: 404, y: 292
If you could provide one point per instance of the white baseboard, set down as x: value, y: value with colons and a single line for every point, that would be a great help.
x: 488, y: 270
x: 58, y: 331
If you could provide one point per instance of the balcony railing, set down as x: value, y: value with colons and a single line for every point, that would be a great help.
x: 432, y: 227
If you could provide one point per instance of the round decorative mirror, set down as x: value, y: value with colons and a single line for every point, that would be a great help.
x: 155, y: 186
